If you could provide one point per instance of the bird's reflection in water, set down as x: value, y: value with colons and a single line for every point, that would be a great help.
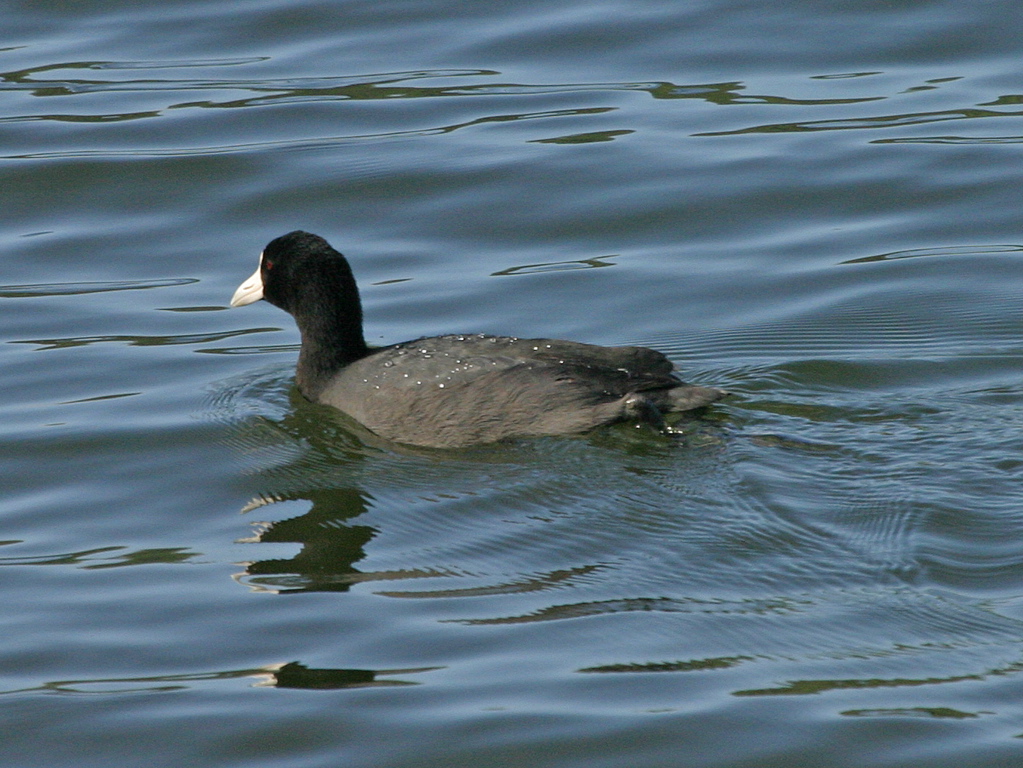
x: 296, y: 675
x: 330, y: 546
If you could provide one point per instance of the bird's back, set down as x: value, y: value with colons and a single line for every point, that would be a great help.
x: 451, y: 391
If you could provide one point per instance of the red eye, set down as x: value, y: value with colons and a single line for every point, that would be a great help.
x: 267, y: 264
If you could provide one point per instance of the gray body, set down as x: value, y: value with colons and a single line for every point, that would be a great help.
x: 452, y: 391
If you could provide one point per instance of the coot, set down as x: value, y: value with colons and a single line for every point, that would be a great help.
x: 457, y: 390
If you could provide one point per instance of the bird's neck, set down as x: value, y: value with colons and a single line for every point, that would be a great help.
x: 328, y: 345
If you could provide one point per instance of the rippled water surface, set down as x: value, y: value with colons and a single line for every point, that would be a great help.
x: 812, y: 204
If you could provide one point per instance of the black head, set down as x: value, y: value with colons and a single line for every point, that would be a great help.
x: 303, y: 275
x: 301, y: 272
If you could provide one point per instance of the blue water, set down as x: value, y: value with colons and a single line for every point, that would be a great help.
x: 813, y: 205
